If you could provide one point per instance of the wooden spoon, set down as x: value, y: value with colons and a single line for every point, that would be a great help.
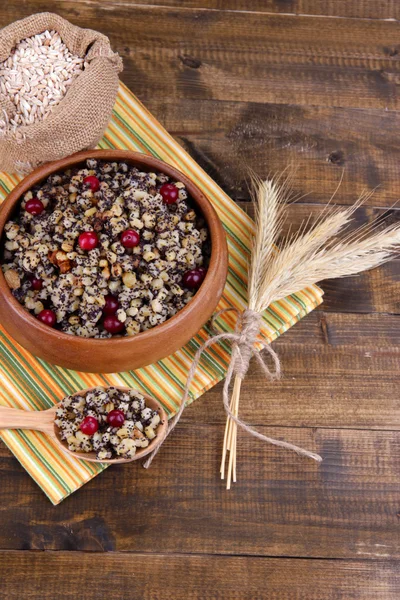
x: 44, y: 420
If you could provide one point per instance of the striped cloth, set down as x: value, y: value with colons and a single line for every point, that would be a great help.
x: 31, y: 384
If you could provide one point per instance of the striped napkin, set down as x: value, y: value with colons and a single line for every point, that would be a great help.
x: 32, y: 384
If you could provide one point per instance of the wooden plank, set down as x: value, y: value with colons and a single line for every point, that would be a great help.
x: 338, y: 371
x: 372, y: 332
x: 282, y: 505
x: 365, y: 9
x: 243, y: 56
x: 185, y: 577
x: 321, y: 146
x: 374, y: 291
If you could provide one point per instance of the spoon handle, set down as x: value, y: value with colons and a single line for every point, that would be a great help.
x: 38, y: 420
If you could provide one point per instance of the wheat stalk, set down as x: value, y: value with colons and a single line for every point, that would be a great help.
x: 280, y: 268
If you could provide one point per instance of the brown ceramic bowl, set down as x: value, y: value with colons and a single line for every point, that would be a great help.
x: 119, y: 353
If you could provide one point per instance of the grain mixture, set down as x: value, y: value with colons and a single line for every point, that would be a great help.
x: 105, y: 249
x: 36, y: 77
x: 108, y: 421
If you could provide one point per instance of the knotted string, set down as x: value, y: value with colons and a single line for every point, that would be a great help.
x: 243, y: 340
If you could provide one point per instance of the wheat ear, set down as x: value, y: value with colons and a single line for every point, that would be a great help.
x: 280, y: 268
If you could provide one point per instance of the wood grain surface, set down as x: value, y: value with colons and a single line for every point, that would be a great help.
x: 238, y: 578
x: 267, y: 84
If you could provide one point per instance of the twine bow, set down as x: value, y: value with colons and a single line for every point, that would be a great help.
x: 243, y: 340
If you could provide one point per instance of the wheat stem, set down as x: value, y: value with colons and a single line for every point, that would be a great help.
x: 230, y: 441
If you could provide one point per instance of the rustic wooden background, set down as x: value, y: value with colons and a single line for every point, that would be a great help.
x: 266, y: 83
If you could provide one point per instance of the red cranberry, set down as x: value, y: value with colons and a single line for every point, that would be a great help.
x: 130, y: 238
x: 202, y: 271
x: 88, y: 240
x: 92, y: 182
x: 116, y: 418
x: 193, y: 279
x: 89, y: 425
x: 48, y: 317
x: 169, y: 192
x: 34, y: 206
x: 36, y: 283
x: 111, y: 306
x: 113, y: 325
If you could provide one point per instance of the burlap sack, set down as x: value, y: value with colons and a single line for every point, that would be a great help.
x: 79, y: 120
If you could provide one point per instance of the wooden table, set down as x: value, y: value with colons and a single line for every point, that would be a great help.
x: 267, y: 83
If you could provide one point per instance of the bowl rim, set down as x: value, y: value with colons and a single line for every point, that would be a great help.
x: 215, y: 227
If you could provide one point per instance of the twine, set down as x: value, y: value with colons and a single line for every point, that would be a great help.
x: 243, y: 340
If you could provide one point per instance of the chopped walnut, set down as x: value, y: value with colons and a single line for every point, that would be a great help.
x: 12, y: 279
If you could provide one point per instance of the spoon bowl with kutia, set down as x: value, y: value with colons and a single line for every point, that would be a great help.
x: 44, y: 421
